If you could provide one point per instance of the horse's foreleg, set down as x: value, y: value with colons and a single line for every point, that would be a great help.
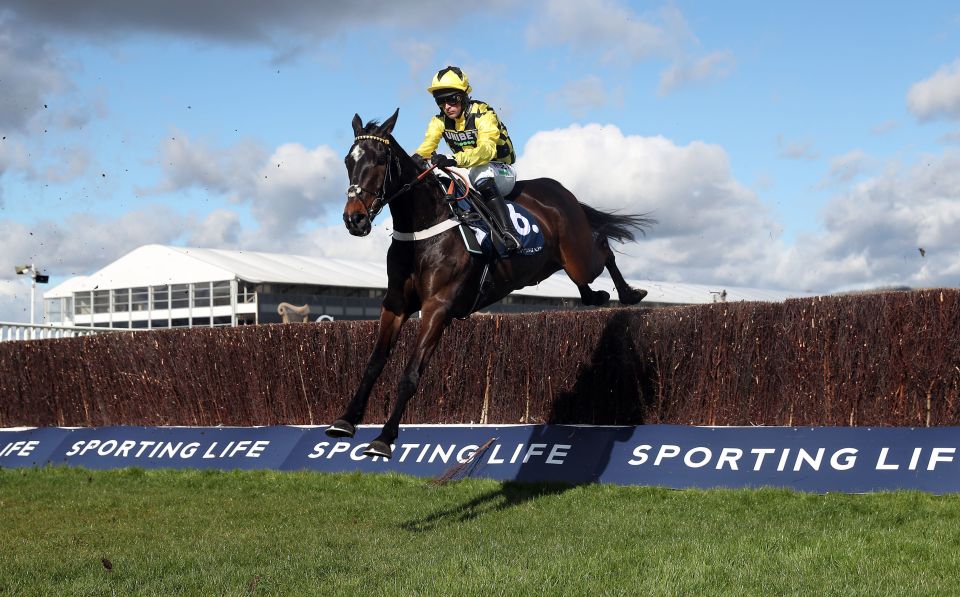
x: 432, y: 324
x: 389, y: 331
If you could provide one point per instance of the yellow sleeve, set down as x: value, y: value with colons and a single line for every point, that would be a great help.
x: 431, y: 139
x: 488, y: 132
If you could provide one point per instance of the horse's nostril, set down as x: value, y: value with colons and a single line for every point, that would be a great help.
x: 353, y: 219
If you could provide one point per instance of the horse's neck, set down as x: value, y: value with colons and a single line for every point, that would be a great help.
x: 419, y: 208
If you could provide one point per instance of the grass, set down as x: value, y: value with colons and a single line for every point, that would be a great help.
x: 242, y: 533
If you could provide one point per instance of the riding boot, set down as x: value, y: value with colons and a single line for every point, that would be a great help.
x: 501, y: 218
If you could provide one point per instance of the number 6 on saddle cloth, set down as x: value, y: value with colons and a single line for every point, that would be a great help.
x: 475, y: 230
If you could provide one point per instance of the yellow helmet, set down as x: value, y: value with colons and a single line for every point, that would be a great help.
x: 450, y: 78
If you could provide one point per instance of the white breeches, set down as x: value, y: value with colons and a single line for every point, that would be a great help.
x: 505, y: 175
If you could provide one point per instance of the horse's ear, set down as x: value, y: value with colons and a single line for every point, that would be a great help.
x: 357, y: 125
x: 387, y: 127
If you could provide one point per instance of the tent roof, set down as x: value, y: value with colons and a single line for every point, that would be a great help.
x: 152, y: 265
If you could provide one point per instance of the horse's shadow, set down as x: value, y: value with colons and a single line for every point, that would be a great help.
x: 506, y: 496
x: 614, y: 389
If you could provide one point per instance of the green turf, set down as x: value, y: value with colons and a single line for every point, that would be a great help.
x: 240, y: 533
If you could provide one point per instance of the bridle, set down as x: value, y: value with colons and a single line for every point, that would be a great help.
x: 380, y: 200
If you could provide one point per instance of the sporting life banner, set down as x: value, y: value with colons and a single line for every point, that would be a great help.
x: 818, y: 459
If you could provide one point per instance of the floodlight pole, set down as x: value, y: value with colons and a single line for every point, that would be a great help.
x: 32, y: 269
x: 33, y: 290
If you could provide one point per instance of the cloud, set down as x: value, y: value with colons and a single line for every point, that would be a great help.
x: 417, y: 54
x: 221, y: 229
x: 714, y: 230
x: 845, y: 168
x: 238, y: 21
x: 290, y: 192
x: 711, y: 228
x: 76, y: 244
x: 488, y: 83
x: 717, y: 65
x: 334, y: 241
x: 30, y: 71
x: 186, y: 163
x: 874, y: 231
x: 286, y: 190
x: 15, y: 301
x: 13, y: 156
x: 36, y: 96
x: 295, y: 187
x: 937, y: 96
x: 607, y: 27
x: 622, y: 37
x: 797, y: 150
x: 67, y: 165
x: 585, y: 94
x: 882, y: 128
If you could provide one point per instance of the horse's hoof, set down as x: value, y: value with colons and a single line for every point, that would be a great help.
x: 600, y: 297
x: 378, y: 448
x: 632, y: 296
x: 341, y: 428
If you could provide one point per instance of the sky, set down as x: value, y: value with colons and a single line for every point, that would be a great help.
x: 809, y: 146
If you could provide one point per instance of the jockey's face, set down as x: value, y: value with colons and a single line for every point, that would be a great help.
x: 452, y: 106
x: 453, y: 110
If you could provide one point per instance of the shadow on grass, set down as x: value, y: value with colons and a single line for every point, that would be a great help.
x: 508, y: 495
x: 614, y: 389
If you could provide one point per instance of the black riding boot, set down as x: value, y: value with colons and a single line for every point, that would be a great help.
x: 501, y: 218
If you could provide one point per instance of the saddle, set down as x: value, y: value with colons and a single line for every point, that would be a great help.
x: 470, y: 209
x: 469, y: 215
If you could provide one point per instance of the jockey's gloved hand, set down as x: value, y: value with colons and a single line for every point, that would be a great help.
x: 420, y: 161
x: 438, y: 159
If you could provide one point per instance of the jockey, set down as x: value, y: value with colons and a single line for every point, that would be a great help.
x: 479, y: 142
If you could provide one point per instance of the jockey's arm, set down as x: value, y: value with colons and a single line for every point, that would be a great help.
x: 431, y: 139
x: 488, y: 132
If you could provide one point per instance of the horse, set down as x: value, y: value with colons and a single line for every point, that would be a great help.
x: 432, y: 272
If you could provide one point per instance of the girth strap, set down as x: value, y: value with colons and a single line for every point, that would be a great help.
x: 431, y: 231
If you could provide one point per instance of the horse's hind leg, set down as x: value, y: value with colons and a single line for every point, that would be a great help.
x: 432, y: 323
x: 626, y: 293
x: 591, y: 297
x: 583, y: 262
x: 389, y: 330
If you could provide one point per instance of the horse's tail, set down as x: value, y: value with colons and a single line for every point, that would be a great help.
x: 619, y: 227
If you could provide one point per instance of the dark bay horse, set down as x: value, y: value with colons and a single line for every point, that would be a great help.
x: 437, y: 276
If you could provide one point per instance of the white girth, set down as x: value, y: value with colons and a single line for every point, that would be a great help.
x: 431, y: 231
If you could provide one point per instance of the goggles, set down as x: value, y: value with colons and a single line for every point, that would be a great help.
x: 451, y: 99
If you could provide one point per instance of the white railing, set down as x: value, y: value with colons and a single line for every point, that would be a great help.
x: 26, y: 331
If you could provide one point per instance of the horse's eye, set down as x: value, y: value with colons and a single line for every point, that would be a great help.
x: 381, y: 160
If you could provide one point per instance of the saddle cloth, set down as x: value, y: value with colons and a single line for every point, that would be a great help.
x: 476, y: 232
